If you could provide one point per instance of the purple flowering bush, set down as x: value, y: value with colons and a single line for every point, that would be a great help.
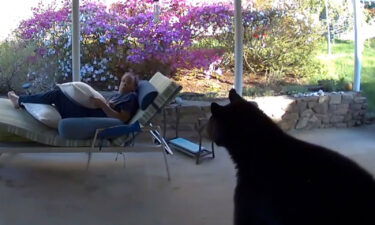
x: 118, y: 38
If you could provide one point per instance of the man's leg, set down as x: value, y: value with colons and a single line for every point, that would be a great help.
x: 49, y: 98
x: 42, y: 98
x: 66, y: 107
x: 14, y: 99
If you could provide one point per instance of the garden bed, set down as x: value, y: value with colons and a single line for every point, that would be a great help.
x: 198, y: 86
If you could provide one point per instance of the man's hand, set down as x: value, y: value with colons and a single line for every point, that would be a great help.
x: 98, y: 102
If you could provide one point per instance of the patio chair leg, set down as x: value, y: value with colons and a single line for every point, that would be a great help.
x: 88, y: 160
x: 166, y: 162
x: 213, y: 149
x: 197, y: 159
x: 164, y: 147
x: 160, y: 140
x: 123, y: 157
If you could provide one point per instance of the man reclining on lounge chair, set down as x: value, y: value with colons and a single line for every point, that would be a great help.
x: 122, y: 105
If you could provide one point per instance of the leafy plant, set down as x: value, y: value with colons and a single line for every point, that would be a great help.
x: 294, y: 89
x: 342, y: 84
x: 327, y: 85
x: 281, y: 40
x: 371, y: 43
x: 15, y: 58
x: 257, y: 91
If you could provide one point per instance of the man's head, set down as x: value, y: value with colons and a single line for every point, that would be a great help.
x: 129, y: 82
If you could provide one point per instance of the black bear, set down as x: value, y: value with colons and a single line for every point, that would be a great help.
x: 285, y: 181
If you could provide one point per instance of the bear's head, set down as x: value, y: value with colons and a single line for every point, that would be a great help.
x: 238, y: 123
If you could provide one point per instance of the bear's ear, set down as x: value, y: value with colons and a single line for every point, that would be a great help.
x: 234, y: 97
x: 216, y: 109
x: 254, y: 103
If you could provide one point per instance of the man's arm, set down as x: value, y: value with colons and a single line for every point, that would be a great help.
x: 123, y: 115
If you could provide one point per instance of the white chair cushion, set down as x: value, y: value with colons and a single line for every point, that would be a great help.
x: 80, y: 93
x: 45, y: 114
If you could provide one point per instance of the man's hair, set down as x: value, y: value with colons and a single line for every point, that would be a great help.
x: 134, y: 76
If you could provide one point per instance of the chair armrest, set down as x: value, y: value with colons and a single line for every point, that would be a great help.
x: 116, y: 131
x: 119, y: 130
x: 150, y: 128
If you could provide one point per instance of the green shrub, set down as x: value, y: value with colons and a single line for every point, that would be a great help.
x: 20, y: 62
x: 344, y: 84
x: 369, y: 15
x: 294, y: 89
x: 258, y: 91
x: 277, y: 40
x: 329, y: 85
x: 15, y: 59
x: 208, y: 42
x: 371, y: 43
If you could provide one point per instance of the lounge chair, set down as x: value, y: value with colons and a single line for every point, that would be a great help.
x: 119, y: 139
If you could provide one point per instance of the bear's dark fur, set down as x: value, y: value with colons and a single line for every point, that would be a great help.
x: 285, y: 181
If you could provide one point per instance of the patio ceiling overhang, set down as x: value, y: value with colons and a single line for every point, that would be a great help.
x: 238, y: 51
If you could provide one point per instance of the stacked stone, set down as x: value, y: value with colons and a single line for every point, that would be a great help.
x: 338, y: 110
x: 187, y: 117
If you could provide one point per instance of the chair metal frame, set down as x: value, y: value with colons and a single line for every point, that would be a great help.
x: 158, y: 144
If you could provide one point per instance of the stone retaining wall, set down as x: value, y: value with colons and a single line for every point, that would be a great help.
x: 333, y: 110
x: 339, y: 110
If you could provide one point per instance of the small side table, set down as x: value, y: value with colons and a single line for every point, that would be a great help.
x: 186, y: 146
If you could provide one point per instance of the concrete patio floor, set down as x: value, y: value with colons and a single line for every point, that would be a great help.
x: 56, y: 188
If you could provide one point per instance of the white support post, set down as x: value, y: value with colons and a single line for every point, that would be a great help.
x: 76, y: 52
x: 238, y: 48
x: 328, y: 29
x: 358, y: 44
x: 156, y: 11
